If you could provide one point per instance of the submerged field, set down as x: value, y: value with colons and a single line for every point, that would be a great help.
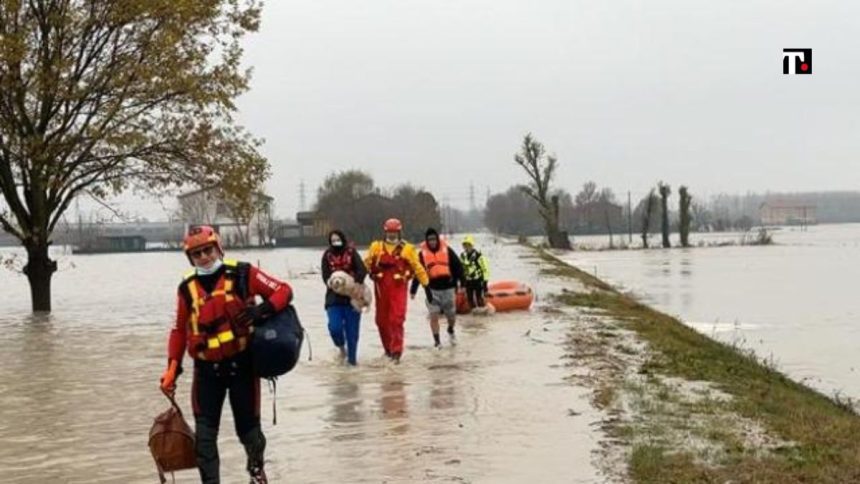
x: 682, y: 407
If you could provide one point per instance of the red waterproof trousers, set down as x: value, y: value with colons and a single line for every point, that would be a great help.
x: 391, y: 312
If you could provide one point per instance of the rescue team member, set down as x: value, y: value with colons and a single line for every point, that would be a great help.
x: 392, y: 263
x: 214, y: 317
x: 444, y: 271
x: 477, y: 273
x: 343, y: 318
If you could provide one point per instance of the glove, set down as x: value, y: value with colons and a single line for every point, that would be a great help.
x: 256, y: 314
x: 168, y: 378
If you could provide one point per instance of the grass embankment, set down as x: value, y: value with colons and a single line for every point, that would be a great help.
x: 822, y: 434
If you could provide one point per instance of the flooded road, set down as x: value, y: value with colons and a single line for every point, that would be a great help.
x: 78, y: 390
x: 794, y: 302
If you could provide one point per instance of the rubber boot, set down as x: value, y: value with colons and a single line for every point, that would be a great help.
x: 255, y: 446
x: 206, y: 447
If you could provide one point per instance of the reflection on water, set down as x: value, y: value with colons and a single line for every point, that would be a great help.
x: 346, y: 403
x: 78, y: 390
x: 442, y: 394
x: 793, y: 302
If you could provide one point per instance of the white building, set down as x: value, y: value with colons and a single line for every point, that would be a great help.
x: 787, y: 213
x: 208, y: 207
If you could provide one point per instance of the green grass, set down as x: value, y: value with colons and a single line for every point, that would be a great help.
x: 825, y: 433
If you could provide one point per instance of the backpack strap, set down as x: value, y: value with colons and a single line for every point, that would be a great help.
x: 242, y: 271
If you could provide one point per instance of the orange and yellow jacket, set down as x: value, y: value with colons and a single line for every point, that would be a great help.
x: 408, y: 254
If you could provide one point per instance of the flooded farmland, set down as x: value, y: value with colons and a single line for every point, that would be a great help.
x: 78, y: 389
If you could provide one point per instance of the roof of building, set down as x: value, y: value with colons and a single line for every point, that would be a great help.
x: 786, y: 204
x: 198, y: 191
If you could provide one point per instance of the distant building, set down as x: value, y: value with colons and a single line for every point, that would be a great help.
x: 112, y: 243
x: 774, y: 212
x: 85, y: 235
x: 208, y: 207
x: 310, y: 230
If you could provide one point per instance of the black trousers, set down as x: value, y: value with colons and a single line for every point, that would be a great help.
x: 213, y: 382
x: 475, y: 294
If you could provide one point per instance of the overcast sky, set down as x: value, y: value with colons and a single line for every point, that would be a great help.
x: 440, y: 93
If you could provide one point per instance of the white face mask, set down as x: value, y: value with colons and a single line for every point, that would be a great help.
x: 336, y: 242
x: 206, y: 271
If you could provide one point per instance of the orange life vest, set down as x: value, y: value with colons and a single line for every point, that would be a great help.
x: 213, y: 333
x: 436, y: 262
x: 391, y: 265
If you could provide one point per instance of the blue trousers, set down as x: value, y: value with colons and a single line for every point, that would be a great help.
x: 343, y: 324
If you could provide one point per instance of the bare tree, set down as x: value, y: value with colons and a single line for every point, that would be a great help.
x: 199, y: 207
x: 609, y: 228
x: 702, y: 218
x: 684, y: 215
x: 649, y: 203
x: 100, y: 96
x: 512, y: 212
x: 540, y: 169
x: 587, y: 195
x: 665, y: 191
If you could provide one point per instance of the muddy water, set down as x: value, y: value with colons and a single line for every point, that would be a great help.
x: 794, y: 303
x: 78, y: 390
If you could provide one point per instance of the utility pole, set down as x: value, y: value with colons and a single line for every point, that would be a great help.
x: 302, y: 198
x: 446, y: 217
x: 472, y: 196
x: 629, y: 218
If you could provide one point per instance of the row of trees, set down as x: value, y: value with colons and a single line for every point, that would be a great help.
x: 654, y: 205
x: 351, y: 201
x: 591, y: 210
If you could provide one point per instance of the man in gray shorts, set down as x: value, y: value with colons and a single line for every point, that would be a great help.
x: 445, y: 271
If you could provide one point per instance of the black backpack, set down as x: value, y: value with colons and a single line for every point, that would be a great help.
x: 277, y: 343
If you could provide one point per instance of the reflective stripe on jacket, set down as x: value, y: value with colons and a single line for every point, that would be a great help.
x: 475, y: 266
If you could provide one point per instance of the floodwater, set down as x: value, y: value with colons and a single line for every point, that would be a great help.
x: 78, y: 390
x: 794, y: 303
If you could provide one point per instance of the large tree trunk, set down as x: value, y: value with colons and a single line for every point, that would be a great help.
x: 39, y: 270
x: 646, y: 226
x: 609, y: 228
x: 557, y: 238
x: 684, y: 227
x: 665, y: 227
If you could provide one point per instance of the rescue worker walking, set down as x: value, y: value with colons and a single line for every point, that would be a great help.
x: 444, y: 271
x: 215, y: 315
x: 476, y: 273
x: 392, y: 263
x: 343, y: 318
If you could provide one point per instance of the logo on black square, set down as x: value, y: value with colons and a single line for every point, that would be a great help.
x: 797, y: 61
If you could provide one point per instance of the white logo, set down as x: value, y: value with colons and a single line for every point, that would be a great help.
x: 265, y: 280
x: 797, y: 61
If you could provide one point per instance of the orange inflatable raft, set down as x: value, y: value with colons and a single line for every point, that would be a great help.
x: 503, y: 296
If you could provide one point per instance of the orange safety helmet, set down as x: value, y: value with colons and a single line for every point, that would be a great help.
x: 200, y: 236
x: 392, y: 225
